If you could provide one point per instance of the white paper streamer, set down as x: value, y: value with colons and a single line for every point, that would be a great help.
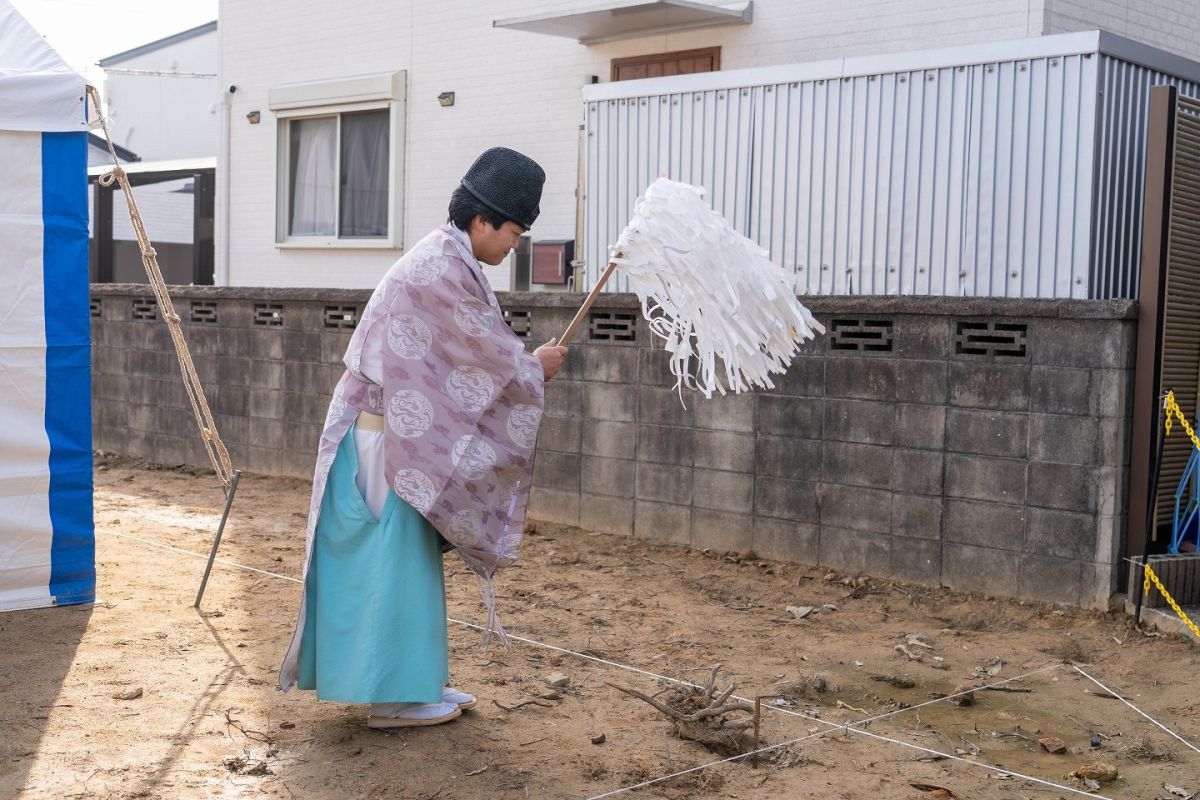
x: 710, y: 293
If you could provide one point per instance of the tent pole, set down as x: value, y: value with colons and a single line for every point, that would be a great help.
x: 212, y: 554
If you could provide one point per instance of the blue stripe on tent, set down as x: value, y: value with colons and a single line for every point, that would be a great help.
x: 68, y: 366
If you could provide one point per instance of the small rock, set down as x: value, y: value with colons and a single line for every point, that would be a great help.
x: 287, y: 726
x: 746, y: 555
x: 599, y: 738
x: 819, y: 684
x: 800, y: 612
x: 962, y: 696
x: 550, y: 696
x: 830, y: 577
x: 1095, y: 742
x: 899, y: 681
x: 558, y: 681
x: 128, y: 694
x: 1052, y: 744
x: 1096, y: 771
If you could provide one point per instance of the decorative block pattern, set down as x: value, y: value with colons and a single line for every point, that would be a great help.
x: 990, y: 338
x: 518, y: 321
x: 144, y: 308
x: 612, y: 326
x: 268, y: 315
x: 203, y: 312
x: 861, y: 335
x: 341, y: 317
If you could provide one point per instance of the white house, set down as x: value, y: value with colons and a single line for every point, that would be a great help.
x: 161, y: 97
x: 163, y: 102
x: 426, y: 88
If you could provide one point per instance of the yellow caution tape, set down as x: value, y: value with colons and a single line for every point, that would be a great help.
x: 1150, y: 576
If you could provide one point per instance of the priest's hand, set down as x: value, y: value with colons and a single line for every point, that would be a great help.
x: 551, y: 355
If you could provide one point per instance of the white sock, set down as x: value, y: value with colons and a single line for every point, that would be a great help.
x: 451, y: 695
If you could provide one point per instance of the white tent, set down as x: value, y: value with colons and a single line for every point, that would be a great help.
x: 47, y: 537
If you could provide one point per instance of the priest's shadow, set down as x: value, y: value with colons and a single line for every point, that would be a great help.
x: 37, y: 650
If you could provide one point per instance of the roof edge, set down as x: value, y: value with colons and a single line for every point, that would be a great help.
x: 158, y: 44
x: 1062, y: 44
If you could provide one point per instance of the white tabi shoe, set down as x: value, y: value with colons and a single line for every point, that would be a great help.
x: 460, y: 699
x: 411, y: 715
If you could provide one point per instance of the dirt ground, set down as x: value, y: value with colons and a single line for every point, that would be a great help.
x: 209, y: 721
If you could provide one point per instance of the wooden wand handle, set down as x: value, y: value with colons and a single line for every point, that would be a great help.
x: 587, y: 304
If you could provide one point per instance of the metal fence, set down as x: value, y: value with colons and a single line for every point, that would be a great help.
x: 1009, y: 170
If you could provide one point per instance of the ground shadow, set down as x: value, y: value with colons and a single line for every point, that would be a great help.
x: 37, y: 649
x: 196, y: 715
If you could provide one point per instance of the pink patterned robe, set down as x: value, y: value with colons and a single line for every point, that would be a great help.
x: 462, y: 403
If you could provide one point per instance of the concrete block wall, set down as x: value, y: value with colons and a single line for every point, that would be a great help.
x: 926, y: 461
x: 268, y: 382
x: 979, y: 444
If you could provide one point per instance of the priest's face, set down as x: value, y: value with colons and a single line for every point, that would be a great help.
x: 491, y: 245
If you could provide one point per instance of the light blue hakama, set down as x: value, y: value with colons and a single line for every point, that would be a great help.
x: 375, y: 629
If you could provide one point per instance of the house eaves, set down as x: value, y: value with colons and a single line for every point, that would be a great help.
x: 628, y: 19
x: 150, y: 47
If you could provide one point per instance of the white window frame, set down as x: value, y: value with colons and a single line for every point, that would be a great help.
x: 332, y: 98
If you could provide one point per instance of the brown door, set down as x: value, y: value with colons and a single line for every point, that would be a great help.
x: 681, y: 62
x: 1168, y: 338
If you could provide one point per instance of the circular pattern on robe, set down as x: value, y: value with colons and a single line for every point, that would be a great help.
x: 522, y: 425
x: 337, y: 408
x: 416, y: 488
x: 409, y: 336
x: 525, y: 364
x: 425, y: 268
x: 466, y: 524
x: 409, y: 413
x: 471, y: 387
x: 473, y: 457
x: 473, y: 317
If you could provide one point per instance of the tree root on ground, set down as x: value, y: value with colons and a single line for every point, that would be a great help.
x: 702, y: 715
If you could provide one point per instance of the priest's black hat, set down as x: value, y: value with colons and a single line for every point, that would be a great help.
x: 508, y: 183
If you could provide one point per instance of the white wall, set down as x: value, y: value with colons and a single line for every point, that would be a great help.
x: 1172, y: 25
x: 512, y: 88
x: 161, y: 117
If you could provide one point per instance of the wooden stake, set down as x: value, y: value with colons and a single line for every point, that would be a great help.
x: 587, y: 305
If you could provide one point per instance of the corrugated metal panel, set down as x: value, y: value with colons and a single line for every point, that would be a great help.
x: 955, y: 180
x: 1181, y: 328
x: 1121, y: 172
x: 1018, y: 172
x: 702, y: 138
